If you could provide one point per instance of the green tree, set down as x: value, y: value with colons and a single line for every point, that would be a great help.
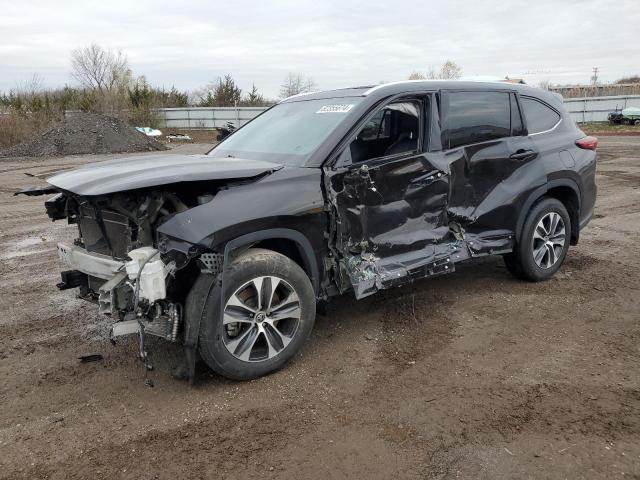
x: 223, y: 93
x: 254, y: 98
x: 141, y: 95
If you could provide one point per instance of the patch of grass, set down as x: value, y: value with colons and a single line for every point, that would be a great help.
x: 16, y: 127
x: 595, y: 128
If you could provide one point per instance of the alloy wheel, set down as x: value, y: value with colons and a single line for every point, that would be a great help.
x: 261, y: 318
x: 549, y: 238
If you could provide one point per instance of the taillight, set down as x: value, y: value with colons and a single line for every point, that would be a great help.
x: 588, y: 143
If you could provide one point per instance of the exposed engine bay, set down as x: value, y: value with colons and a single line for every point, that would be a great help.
x: 150, y: 227
x: 115, y: 261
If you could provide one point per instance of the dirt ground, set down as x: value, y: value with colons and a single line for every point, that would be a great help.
x: 474, y: 375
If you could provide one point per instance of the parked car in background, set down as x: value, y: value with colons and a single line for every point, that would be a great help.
x: 615, y: 118
x: 225, y: 131
x: 354, y: 190
x: 630, y: 116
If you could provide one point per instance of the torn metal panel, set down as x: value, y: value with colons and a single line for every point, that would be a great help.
x: 417, y: 217
x: 363, y: 273
x: 369, y: 273
x: 492, y: 242
x: 391, y: 222
x: 380, y: 204
x: 56, y: 207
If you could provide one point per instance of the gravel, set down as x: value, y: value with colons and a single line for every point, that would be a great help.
x: 85, y: 133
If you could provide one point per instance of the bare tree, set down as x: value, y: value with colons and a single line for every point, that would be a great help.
x: 31, y: 87
x: 630, y: 79
x: 544, y: 84
x: 417, y: 76
x: 449, y: 70
x: 296, y: 83
x: 101, y: 69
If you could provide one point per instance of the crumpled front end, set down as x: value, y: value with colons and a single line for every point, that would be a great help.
x: 120, y: 262
x: 139, y: 251
x: 118, y: 287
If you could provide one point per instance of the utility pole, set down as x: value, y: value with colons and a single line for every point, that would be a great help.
x: 594, y: 77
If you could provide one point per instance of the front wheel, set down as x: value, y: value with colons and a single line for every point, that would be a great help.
x: 544, y: 242
x: 267, y: 314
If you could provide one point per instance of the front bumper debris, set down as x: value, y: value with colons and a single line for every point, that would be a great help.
x: 117, y: 288
x: 94, y: 264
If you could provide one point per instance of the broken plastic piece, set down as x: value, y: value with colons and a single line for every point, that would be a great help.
x: 179, y: 137
x: 90, y: 358
x: 152, y: 284
x: 149, y: 132
x: 127, y: 327
x: 35, y: 191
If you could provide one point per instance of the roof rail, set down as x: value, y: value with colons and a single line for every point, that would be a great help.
x: 300, y: 95
x: 382, y: 85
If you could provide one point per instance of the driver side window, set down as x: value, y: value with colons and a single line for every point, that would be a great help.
x: 392, y: 130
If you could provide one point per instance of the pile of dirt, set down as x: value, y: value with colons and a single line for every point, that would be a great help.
x: 85, y: 133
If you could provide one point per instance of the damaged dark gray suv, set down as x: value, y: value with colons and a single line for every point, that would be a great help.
x: 357, y: 190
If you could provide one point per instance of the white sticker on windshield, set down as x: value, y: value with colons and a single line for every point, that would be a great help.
x: 335, y: 109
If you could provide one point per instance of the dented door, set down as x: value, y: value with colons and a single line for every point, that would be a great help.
x: 391, y: 216
x: 492, y: 167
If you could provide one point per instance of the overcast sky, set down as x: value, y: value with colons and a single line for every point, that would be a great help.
x: 337, y: 43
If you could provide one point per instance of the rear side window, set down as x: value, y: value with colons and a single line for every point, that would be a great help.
x: 539, y: 117
x: 474, y: 117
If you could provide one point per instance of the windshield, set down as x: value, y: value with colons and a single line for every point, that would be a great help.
x: 289, y: 132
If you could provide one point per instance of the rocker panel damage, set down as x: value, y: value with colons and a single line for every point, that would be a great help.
x: 417, y: 217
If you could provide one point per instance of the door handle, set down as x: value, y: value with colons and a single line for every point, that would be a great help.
x: 522, y: 154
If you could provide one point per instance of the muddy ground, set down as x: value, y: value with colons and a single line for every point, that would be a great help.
x: 475, y: 375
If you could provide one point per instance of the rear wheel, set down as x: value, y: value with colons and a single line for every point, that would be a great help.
x: 544, y: 242
x: 267, y: 314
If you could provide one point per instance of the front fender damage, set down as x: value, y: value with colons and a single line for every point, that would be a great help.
x: 137, y: 274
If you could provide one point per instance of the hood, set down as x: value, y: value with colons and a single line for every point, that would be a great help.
x: 130, y: 173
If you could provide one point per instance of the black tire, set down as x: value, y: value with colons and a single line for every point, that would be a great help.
x: 521, y: 262
x: 214, y: 336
